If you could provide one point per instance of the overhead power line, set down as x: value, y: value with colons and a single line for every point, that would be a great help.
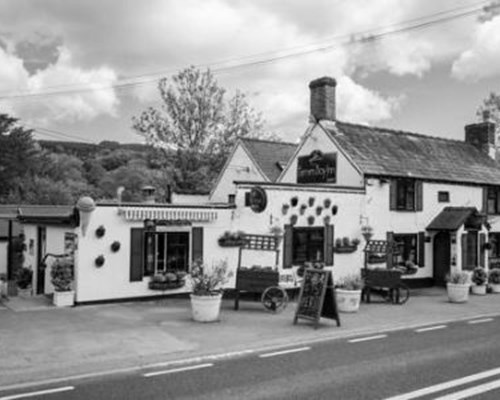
x: 58, y: 134
x: 363, y: 37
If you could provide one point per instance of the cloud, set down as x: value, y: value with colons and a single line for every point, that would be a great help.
x: 482, y: 59
x: 62, y: 75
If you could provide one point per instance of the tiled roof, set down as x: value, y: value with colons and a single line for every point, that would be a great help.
x: 270, y: 156
x: 386, y: 152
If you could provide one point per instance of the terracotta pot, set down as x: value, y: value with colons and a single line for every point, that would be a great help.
x: 458, y: 293
x: 348, y: 300
x: 206, y: 308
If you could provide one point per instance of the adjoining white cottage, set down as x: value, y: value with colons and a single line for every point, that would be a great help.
x: 438, y: 199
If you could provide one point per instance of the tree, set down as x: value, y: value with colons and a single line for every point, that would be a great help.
x: 19, y: 156
x: 197, y: 122
x: 490, y: 109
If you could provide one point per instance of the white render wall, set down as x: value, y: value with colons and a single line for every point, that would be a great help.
x: 347, y: 174
x: 346, y: 222
x: 240, y: 168
x: 4, y: 244
x: 376, y: 213
x: 112, y: 280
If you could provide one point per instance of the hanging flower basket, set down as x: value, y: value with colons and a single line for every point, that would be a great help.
x: 294, y: 201
x: 327, y: 203
x: 310, y: 219
x: 303, y: 208
x: 326, y: 220
x: 285, y: 208
x: 335, y: 209
x: 115, y: 246
x: 319, y: 210
x: 99, y: 261
x: 311, y: 201
x: 293, y: 219
x: 99, y: 232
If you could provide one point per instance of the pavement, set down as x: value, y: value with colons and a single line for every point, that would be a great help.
x: 41, y: 343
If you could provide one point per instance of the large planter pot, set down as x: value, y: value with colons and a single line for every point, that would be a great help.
x: 25, y: 293
x: 206, y: 308
x: 64, y: 299
x: 495, y: 287
x: 348, y: 300
x: 478, y: 289
x: 4, y: 286
x: 458, y: 293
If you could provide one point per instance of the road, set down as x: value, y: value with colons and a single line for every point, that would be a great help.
x: 446, y: 362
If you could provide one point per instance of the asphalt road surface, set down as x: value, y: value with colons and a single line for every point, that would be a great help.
x: 459, y: 360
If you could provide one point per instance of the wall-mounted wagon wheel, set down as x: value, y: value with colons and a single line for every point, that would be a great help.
x: 274, y: 299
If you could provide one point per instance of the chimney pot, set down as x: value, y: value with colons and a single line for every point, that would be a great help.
x: 323, y: 98
x: 482, y: 136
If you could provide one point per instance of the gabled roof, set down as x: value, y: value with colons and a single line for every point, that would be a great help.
x: 391, y: 153
x: 452, y: 218
x: 269, y: 156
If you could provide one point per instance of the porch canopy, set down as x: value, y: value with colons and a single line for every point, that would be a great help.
x: 452, y: 218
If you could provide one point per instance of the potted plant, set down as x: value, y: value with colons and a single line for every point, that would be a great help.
x: 207, y: 290
x: 348, y: 293
x: 24, y: 279
x: 167, y: 280
x: 458, y: 284
x: 479, y: 278
x: 61, y: 275
x: 494, y: 280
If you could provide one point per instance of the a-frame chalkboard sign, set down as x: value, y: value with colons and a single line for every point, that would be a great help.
x: 317, y: 297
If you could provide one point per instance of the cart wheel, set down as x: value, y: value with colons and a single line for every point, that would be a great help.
x: 274, y: 299
x: 402, y: 293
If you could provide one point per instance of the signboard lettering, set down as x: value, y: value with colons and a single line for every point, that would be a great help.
x: 317, y: 168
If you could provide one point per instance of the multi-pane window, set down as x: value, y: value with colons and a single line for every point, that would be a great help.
x: 493, y: 200
x: 166, y: 251
x: 407, y: 246
x: 471, y: 256
x: 443, y: 197
x: 405, y: 194
x: 308, y: 245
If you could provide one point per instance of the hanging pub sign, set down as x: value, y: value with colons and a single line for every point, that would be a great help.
x: 317, y: 167
x: 258, y: 199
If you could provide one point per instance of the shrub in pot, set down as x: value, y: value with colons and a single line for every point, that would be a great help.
x: 457, y: 286
x: 24, y: 279
x: 348, y: 293
x: 206, y: 296
x: 494, y: 280
x: 479, y: 278
x: 61, y: 274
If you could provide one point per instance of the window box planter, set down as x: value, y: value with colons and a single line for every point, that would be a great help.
x: 231, y: 242
x: 345, y: 249
x: 165, y: 285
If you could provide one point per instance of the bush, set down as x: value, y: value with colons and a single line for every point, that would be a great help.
x: 351, y: 282
x: 208, y: 281
x: 61, y: 275
x: 24, y: 278
x: 458, y: 278
x: 479, y: 276
x: 494, y: 276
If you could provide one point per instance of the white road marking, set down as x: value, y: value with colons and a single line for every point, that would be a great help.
x: 431, y: 328
x: 173, y: 371
x: 38, y: 393
x: 480, y: 321
x: 279, y: 353
x: 446, y: 385
x: 473, y: 391
x: 365, y: 339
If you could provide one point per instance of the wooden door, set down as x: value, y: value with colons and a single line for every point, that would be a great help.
x: 441, y: 250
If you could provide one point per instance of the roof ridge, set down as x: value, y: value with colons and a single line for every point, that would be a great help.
x: 267, y: 141
x: 401, y: 132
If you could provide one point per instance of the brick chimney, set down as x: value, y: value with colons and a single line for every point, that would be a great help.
x: 323, y: 98
x: 482, y: 135
x: 148, y: 194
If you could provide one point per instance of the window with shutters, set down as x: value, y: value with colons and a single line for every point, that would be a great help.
x: 308, y: 245
x: 493, y: 200
x: 405, y: 194
x: 166, y: 251
x: 407, y: 246
x: 471, y: 253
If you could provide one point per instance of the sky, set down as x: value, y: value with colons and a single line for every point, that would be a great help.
x: 81, y: 69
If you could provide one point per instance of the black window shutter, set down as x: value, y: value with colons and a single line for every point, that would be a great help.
x: 329, y: 231
x: 464, y: 251
x: 485, y: 200
x: 390, y: 240
x: 421, y: 249
x: 288, y: 247
x: 482, y: 252
x: 197, y: 244
x: 136, y: 254
x: 392, y: 194
x: 419, y: 196
x: 247, y: 199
